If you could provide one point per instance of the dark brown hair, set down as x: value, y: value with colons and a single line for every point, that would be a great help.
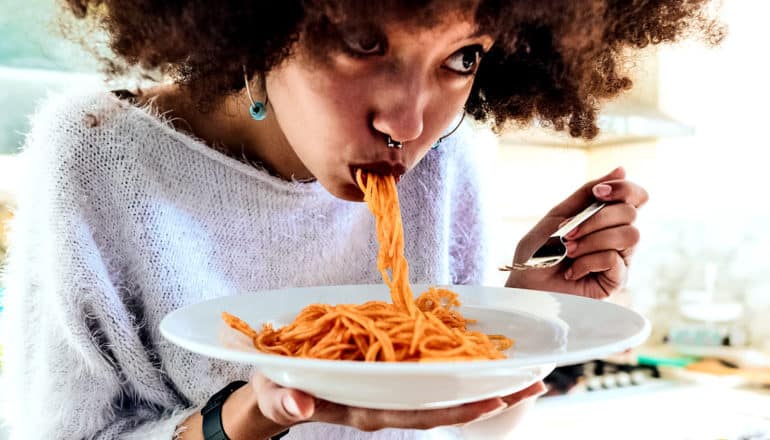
x: 555, y: 60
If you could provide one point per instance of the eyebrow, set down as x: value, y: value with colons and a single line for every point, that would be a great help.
x: 477, y: 34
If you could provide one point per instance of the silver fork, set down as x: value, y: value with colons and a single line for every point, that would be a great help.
x: 554, y: 251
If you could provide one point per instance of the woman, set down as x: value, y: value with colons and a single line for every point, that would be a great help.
x: 237, y: 176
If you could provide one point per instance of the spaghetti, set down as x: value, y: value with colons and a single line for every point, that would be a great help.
x: 427, y: 328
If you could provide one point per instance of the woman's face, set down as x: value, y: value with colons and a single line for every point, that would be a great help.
x: 403, y: 82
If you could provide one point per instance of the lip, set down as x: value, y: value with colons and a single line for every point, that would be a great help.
x: 382, y: 168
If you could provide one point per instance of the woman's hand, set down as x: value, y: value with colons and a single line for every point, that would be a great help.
x: 599, y: 250
x: 289, y: 407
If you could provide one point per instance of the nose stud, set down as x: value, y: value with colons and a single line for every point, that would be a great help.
x: 394, y: 144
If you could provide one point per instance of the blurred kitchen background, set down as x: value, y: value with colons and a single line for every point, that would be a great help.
x: 691, y: 132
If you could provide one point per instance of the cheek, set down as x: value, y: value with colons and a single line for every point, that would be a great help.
x: 441, y: 116
x: 315, y: 108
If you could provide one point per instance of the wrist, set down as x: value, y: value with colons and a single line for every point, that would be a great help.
x: 243, y: 420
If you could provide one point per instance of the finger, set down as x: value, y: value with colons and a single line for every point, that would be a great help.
x: 616, y: 214
x: 443, y: 417
x: 535, y: 390
x: 621, y: 191
x: 284, y: 406
x: 562, y: 213
x: 372, y: 420
x: 585, y: 195
x: 610, y: 273
x: 626, y: 254
x: 618, y: 238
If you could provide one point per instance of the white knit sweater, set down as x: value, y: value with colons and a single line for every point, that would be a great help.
x: 122, y: 219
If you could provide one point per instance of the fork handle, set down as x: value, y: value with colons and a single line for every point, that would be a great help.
x: 584, y: 215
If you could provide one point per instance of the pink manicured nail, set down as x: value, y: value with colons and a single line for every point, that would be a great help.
x: 602, y: 190
x: 290, y: 405
x: 571, y: 246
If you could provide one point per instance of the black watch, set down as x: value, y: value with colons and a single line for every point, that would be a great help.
x: 212, y: 414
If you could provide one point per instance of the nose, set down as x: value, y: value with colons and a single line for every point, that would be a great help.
x: 401, y: 108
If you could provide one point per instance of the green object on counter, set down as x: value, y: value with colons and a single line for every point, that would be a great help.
x: 660, y: 361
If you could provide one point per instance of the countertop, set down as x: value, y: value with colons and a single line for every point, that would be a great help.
x: 662, y: 409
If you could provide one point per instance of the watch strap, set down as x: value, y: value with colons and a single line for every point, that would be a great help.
x: 212, y: 414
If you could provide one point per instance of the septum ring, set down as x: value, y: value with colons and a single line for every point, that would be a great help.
x: 393, y: 144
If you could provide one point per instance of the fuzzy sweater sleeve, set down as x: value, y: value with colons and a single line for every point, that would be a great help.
x: 74, y: 366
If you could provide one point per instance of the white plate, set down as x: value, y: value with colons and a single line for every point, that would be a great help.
x: 548, y: 329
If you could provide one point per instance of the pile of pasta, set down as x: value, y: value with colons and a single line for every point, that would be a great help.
x: 427, y: 328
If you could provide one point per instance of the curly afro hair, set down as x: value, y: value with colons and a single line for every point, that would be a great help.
x: 554, y: 60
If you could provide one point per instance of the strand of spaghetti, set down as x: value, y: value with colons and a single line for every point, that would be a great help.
x: 374, y: 349
x: 381, y: 196
x: 327, y: 351
x: 381, y: 337
x: 332, y: 338
x: 238, y: 324
x: 418, y: 331
x: 314, y: 327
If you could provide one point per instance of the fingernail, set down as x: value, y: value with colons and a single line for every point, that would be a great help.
x: 571, y: 247
x: 290, y: 406
x: 568, y: 274
x: 602, y: 190
x: 571, y: 234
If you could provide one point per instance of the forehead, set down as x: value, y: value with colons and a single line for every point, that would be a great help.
x: 450, y: 25
x: 414, y: 13
x: 452, y: 29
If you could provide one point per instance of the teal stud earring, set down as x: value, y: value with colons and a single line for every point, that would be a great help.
x: 258, y: 109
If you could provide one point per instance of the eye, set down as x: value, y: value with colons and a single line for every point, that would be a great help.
x: 465, y: 60
x: 364, y: 43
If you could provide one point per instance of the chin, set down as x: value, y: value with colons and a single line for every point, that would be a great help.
x: 345, y: 191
